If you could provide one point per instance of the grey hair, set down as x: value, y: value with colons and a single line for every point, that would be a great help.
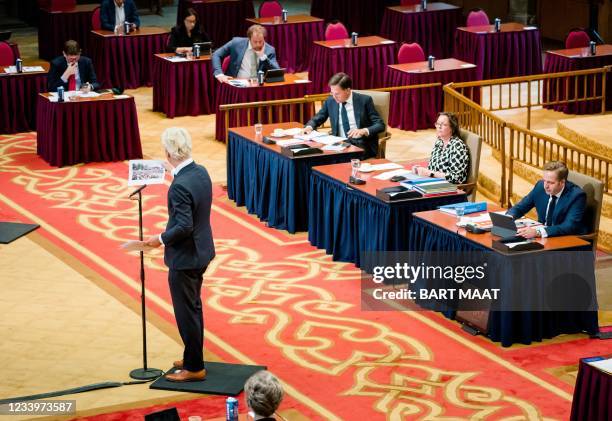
x: 263, y: 393
x: 177, y: 142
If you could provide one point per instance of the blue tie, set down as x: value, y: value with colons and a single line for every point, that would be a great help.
x: 345, y: 120
x: 551, y: 211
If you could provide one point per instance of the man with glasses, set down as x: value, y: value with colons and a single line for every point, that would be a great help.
x: 72, y: 71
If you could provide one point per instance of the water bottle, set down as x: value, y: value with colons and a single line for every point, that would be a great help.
x: 19, y: 65
x: 354, y: 39
x: 126, y: 27
x: 231, y: 409
x: 497, y: 24
x: 424, y: 4
x: 196, y: 51
x: 60, y: 94
x: 260, y: 77
x: 430, y: 62
x: 285, y: 15
x: 592, y: 46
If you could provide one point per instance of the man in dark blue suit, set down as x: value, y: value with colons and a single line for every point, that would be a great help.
x: 115, y: 12
x: 352, y: 115
x: 72, y: 70
x: 560, y: 204
x: 247, y: 56
x: 189, y: 248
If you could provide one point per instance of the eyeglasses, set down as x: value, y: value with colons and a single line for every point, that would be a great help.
x: 440, y: 125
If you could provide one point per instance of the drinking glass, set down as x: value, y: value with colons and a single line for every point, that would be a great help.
x: 258, y: 129
x: 355, y: 165
x: 460, y: 210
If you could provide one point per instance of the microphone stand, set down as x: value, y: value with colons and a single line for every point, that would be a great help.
x: 144, y: 373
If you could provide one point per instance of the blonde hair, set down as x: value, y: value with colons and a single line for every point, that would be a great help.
x: 177, y: 142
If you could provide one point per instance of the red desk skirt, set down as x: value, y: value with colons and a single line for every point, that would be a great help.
x: 87, y: 131
x: 417, y: 109
x: 18, y: 94
x: 365, y: 65
x: 555, y: 63
x: 432, y: 29
x: 55, y: 28
x: 228, y: 94
x: 221, y: 20
x: 592, y: 395
x: 126, y: 61
x: 183, y: 88
x: 500, y: 54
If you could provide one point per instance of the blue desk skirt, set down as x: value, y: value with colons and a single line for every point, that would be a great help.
x: 510, y: 327
x: 270, y: 185
x: 348, y: 223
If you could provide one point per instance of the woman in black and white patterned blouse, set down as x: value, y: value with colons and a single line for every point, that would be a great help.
x: 450, y: 158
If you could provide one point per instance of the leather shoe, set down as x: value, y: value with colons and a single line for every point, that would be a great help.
x: 186, y: 376
x: 178, y: 364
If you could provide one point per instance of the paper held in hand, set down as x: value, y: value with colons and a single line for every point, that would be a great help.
x: 146, y: 171
x: 135, y: 245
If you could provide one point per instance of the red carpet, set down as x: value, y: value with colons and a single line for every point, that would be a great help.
x: 273, y: 299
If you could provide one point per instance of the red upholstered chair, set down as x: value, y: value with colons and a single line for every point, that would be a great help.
x: 409, y: 2
x: 410, y: 53
x: 268, y: 9
x: 225, y: 64
x: 577, y: 38
x: 477, y: 18
x: 336, y: 31
x: 7, y: 58
x: 96, y: 23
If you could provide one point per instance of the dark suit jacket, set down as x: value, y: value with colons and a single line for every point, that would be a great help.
x: 366, y: 116
x: 568, y: 217
x: 236, y: 49
x: 188, y: 237
x: 107, y: 13
x: 59, y: 66
x: 178, y: 38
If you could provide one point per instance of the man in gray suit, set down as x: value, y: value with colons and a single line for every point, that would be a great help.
x: 247, y: 56
x: 189, y: 248
x: 352, y: 115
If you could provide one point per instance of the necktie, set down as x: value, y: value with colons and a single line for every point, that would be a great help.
x: 345, y: 120
x: 551, y: 211
x: 71, y: 83
x: 254, y: 64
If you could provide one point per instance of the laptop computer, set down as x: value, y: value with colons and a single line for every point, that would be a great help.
x: 205, y: 47
x: 275, y: 75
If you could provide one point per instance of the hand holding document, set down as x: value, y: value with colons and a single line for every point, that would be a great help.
x: 136, y: 245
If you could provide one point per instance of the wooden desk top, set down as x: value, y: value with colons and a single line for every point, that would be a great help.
x: 248, y: 132
x: 505, y: 27
x: 342, y: 172
x: 143, y: 31
x: 79, y: 8
x: 448, y: 222
x: 441, y: 65
x: 43, y: 65
x: 431, y: 7
x: 108, y: 96
x: 290, y: 79
x: 290, y: 19
x: 361, y: 42
x: 601, y: 50
x: 166, y: 55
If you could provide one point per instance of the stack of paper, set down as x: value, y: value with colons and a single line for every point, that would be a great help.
x: 435, y: 187
x: 309, y: 136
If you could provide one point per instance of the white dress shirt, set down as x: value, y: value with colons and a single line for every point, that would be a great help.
x: 247, y: 63
x: 119, y: 14
x: 351, y: 116
x: 175, y: 171
x: 542, y: 229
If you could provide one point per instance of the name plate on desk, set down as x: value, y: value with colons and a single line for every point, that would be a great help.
x: 390, y: 194
x: 300, y: 149
x: 511, y: 247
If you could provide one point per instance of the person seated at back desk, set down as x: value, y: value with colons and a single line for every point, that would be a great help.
x: 352, y: 115
x: 183, y: 36
x: 72, y: 70
x: 560, y: 204
x: 247, y: 55
x: 116, y: 12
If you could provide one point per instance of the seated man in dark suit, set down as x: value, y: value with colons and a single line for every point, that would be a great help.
x: 352, y: 115
x: 72, y: 71
x: 247, y: 56
x: 116, y: 12
x: 560, y: 204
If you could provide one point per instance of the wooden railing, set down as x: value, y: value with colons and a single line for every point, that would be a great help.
x: 517, y: 144
x: 299, y: 107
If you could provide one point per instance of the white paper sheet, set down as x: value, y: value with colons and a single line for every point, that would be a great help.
x: 387, y: 175
x: 603, y: 365
x: 146, y: 171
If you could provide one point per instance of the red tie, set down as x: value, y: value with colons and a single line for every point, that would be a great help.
x: 71, y: 83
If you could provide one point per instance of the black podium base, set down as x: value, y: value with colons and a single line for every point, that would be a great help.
x: 148, y: 374
x: 221, y: 379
